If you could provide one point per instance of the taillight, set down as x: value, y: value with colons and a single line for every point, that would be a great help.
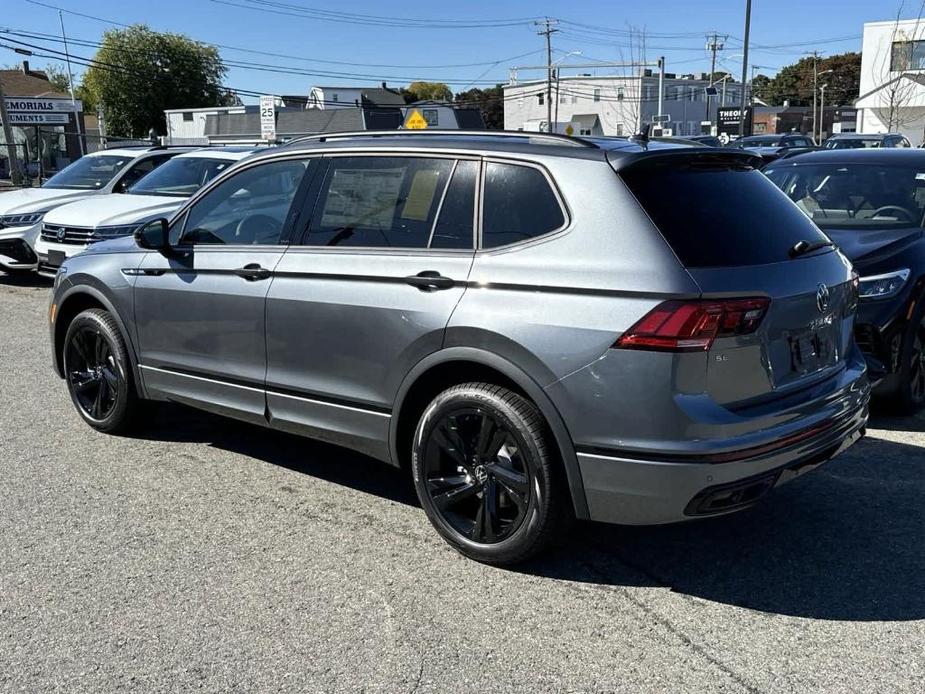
x: 691, y: 326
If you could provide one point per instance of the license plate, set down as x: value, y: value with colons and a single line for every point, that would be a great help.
x: 56, y: 258
x: 813, y: 350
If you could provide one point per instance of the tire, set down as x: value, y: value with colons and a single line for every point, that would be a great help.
x: 486, y: 475
x: 911, y: 394
x: 98, y: 372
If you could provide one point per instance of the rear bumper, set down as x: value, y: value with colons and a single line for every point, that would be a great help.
x: 632, y: 491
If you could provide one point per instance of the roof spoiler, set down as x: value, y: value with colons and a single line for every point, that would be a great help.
x: 621, y: 161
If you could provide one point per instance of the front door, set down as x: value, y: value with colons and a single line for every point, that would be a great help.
x: 367, y: 291
x: 200, y: 309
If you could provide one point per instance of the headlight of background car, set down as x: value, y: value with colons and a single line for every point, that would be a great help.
x: 883, y: 286
x: 20, y: 220
x: 103, y: 233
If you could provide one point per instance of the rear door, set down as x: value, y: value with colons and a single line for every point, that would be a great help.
x: 733, y: 230
x: 367, y: 291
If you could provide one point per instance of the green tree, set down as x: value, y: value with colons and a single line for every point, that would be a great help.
x: 489, y: 101
x: 57, y: 75
x: 426, y: 91
x: 794, y: 83
x: 138, y: 73
x: 760, y: 86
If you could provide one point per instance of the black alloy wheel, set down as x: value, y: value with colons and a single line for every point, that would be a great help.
x: 98, y: 372
x: 916, y: 365
x: 92, y: 373
x: 476, y: 476
x: 486, y: 475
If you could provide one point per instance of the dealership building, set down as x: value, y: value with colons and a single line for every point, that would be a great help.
x: 45, y: 123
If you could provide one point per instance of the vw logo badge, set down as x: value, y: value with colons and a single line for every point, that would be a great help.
x: 62, y: 233
x: 822, y: 298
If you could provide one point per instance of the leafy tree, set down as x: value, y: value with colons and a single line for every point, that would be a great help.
x: 760, y: 86
x: 138, y: 73
x: 794, y: 83
x: 426, y: 91
x: 57, y: 75
x: 489, y: 101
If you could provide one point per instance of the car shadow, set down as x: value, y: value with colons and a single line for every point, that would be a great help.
x: 25, y: 279
x: 170, y: 422
x: 844, y: 542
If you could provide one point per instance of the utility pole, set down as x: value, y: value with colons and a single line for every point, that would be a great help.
x: 821, y: 110
x: 548, y: 30
x: 748, y: 25
x: 713, y: 45
x: 70, y: 85
x: 661, y: 84
x: 8, y: 136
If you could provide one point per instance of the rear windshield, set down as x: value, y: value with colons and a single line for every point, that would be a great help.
x: 855, y: 196
x: 720, y: 215
x: 853, y: 143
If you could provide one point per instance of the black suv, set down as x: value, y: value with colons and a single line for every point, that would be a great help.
x: 871, y: 202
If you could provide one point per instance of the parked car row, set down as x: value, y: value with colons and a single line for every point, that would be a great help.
x: 102, y: 195
x: 537, y: 327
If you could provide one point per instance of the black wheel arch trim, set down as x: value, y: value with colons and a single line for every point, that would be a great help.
x: 99, y: 296
x: 529, y: 386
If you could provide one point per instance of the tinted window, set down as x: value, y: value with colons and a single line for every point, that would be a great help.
x: 519, y: 204
x: 248, y: 208
x: 454, y: 225
x: 857, y: 196
x: 718, y: 215
x: 139, y: 171
x: 379, y: 201
x: 88, y: 173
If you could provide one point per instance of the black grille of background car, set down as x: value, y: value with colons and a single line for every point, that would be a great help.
x: 77, y: 235
x: 18, y: 250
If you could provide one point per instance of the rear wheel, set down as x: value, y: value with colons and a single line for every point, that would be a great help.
x: 98, y: 372
x: 485, y: 475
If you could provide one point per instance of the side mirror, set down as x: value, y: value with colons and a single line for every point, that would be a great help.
x: 154, y: 235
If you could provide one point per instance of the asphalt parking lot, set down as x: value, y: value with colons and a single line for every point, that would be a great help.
x: 210, y: 554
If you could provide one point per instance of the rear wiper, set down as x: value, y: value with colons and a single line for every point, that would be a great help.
x: 803, y: 247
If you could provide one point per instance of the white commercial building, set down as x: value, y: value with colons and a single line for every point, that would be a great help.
x: 187, y: 126
x: 892, y: 91
x: 615, y: 105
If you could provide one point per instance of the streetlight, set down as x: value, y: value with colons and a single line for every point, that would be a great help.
x: 822, y: 109
x: 552, y: 126
x: 816, y: 74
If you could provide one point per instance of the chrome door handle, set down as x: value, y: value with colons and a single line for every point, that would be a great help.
x: 429, y: 281
x: 253, y: 272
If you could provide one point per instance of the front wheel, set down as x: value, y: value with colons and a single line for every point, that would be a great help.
x: 98, y: 372
x: 912, y: 368
x: 486, y: 475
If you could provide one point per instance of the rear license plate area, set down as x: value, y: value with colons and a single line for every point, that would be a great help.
x: 813, y: 350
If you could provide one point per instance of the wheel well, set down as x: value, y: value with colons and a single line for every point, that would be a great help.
x: 73, y: 305
x: 429, y: 385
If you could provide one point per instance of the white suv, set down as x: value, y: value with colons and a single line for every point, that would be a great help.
x: 107, y: 171
x: 69, y: 229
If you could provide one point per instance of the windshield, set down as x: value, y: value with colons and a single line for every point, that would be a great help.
x: 855, y: 196
x: 180, y: 177
x: 852, y: 143
x: 88, y: 173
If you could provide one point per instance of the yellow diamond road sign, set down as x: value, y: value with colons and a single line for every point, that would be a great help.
x: 415, y: 121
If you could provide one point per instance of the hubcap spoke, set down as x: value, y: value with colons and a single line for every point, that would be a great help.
x: 447, y: 499
x: 451, y: 444
x: 513, y: 481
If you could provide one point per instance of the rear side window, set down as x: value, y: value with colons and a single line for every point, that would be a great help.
x: 374, y: 201
x: 519, y: 204
x: 720, y: 215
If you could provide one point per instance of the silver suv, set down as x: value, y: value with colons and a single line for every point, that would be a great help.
x: 537, y: 327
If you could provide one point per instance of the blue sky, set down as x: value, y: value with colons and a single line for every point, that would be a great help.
x: 782, y: 30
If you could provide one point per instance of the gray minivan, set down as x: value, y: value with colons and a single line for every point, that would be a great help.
x: 537, y: 327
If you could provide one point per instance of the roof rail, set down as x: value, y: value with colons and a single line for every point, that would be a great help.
x: 548, y: 138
